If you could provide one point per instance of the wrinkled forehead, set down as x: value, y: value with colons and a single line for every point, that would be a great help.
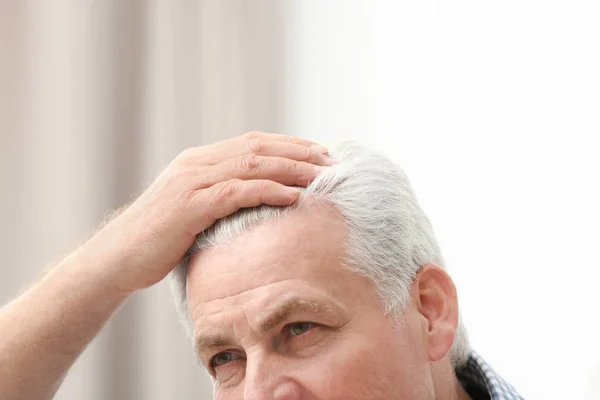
x: 258, y: 307
x: 302, y: 249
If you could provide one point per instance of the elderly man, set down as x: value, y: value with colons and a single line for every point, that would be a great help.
x: 326, y: 284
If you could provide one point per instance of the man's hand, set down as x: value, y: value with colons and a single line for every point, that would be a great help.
x: 45, y: 329
x: 201, y: 185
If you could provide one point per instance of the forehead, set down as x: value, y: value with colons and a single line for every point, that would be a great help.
x: 300, y: 252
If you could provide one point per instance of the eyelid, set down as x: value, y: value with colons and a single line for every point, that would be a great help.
x: 211, y: 366
x: 286, y: 330
x: 287, y: 327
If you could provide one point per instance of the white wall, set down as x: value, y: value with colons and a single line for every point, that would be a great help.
x: 493, y: 109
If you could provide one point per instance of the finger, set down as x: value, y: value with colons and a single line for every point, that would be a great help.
x: 259, y: 143
x: 250, y: 166
x: 292, y: 151
x: 225, y: 198
x: 279, y: 138
x: 314, y: 154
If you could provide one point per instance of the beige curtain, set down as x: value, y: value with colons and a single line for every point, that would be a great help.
x: 96, y: 97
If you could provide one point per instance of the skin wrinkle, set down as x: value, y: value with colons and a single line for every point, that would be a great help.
x: 369, y: 357
x: 242, y: 291
x: 225, y: 298
x: 288, y: 307
x: 389, y: 236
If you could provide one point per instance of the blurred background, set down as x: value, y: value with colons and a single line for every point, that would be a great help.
x: 492, y: 108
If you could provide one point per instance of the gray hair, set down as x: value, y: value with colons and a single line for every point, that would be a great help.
x: 389, y: 237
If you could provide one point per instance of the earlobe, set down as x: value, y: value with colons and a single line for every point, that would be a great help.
x: 438, y: 304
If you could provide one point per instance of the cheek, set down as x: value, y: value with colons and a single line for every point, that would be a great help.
x: 378, y: 363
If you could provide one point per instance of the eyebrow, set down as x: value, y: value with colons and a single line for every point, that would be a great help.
x: 276, y: 317
x: 289, y: 307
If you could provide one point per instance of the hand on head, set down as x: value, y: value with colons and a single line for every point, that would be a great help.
x: 200, y: 186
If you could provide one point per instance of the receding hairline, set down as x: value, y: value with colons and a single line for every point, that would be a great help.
x: 317, y: 205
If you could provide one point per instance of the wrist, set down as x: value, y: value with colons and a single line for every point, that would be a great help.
x: 97, y: 270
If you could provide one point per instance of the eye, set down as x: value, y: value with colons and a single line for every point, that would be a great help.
x: 223, y: 358
x: 299, y: 328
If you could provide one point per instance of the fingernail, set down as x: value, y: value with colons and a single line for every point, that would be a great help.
x: 331, y: 161
x: 320, y: 148
x: 319, y: 168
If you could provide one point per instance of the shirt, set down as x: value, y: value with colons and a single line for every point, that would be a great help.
x: 481, y: 382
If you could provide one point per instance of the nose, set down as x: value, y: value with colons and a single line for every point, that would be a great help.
x: 282, y: 391
x: 263, y: 385
x: 287, y: 390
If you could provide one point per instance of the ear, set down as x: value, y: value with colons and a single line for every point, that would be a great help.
x: 434, y: 294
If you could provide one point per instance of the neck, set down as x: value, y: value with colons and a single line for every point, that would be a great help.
x: 446, y: 384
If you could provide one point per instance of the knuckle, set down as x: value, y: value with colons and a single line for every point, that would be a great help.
x: 294, y: 140
x: 226, y: 189
x: 262, y: 186
x: 257, y: 146
x: 302, y: 170
x: 248, y: 163
x: 186, y: 155
x: 296, y: 166
x: 179, y: 175
x: 251, y: 135
x: 305, y: 154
